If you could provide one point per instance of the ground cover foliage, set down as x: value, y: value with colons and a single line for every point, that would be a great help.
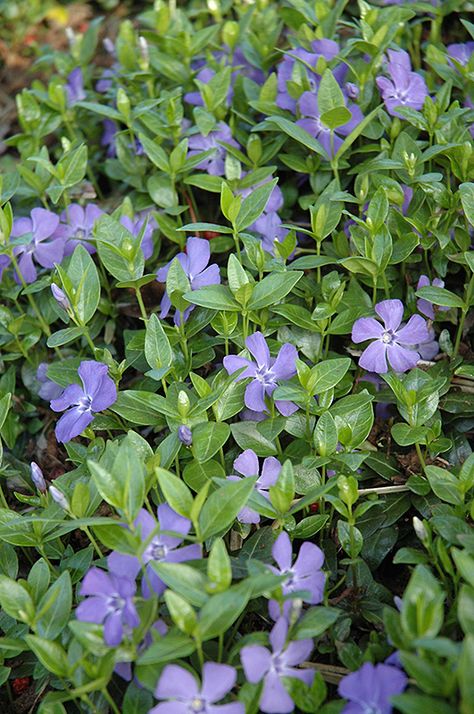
x: 237, y: 388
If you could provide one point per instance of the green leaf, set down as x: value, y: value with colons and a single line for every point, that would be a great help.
x: 330, y: 94
x: 51, y: 655
x: 253, y: 206
x: 316, y: 621
x: 176, y: 493
x: 85, y: 280
x: 222, y: 610
x: 144, y: 408
x: 248, y: 436
x: 466, y: 191
x: 445, y: 485
x: 273, y: 288
x: 222, y: 507
x: 158, y: 352
x: 440, y: 296
x: 208, y: 438
x: 54, y: 608
x: 64, y: 337
x: 327, y: 374
x: 185, y: 580
x: 16, y: 600
x: 173, y: 646
x: 215, y: 297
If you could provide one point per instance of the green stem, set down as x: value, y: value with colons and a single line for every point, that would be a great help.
x: 420, y: 456
x: 110, y: 700
x: 93, y: 541
x: 141, y: 305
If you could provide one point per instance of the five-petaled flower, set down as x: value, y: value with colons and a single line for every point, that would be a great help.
x: 370, y: 688
x: 183, y: 695
x: 43, y: 243
x: 195, y: 264
x: 79, y: 222
x: 265, y: 372
x: 162, y: 541
x: 390, y: 341
x: 404, y: 88
x: 303, y: 576
x: 247, y: 465
x: 98, y: 392
x: 259, y: 663
x: 109, y: 599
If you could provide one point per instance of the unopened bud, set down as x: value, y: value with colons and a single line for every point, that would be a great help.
x: 184, y: 404
x: 185, y: 435
x: 37, y: 477
x: 59, y: 497
x: 60, y: 296
x: 108, y: 45
x: 420, y: 530
x: 71, y: 36
x: 144, y: 51
x: 352, y: 90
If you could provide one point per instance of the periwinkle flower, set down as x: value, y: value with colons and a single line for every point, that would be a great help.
x: 79, y: 224
x: 185, y: 435
x: 195, y: 264
x: 37, y: 477
x: 461, y: 52
x: 59, y: 498
x: 161, y: 547
x: 183, y: 695
x: 98, y: 392
x: 109, y: 600
x: 307, y: 62
x: 259, y: 663
x: 428, y: 349
x: 60, y: 296
x: 49, y: 389
x: 44, y: 243
x: 108, y: 137
x: 215, y: 163
x: 311, y: 122
x: 4, y: 263
x: 304, y: 574
x: 247, y: 465
x: 405, y: 88
x: 371, y: 688
x: 390, y: 341
x: 265, y: 372
x: 75, y: 87
x: 424, y: 306
x: 135, y: 226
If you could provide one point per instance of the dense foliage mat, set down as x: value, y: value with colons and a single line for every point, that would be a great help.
x: 237, y: 386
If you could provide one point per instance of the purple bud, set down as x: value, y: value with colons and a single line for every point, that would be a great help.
x: 59, y: 497
x: 37, y: 477
x: 352, y: 90
x: 108, y: 45
x: 185, y: 435
x: 60, y: 296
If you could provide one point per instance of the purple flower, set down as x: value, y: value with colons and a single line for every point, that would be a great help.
x: 59, y: 498
x: 247, y: 465
x: 49, y: 389
x: 37, y: 477
x: 79, y: 223
x: 265, y: 372
x: 215, y: 163
x: 304, y: 575
x: 390, y: 340
x: 259, y: 663
x: 351, y: 90
x: 311, y: 122
x: 195, y: 264
x: 178, y: 686
x: 371, y: 688
x: 461, y: 52
x: 161, y: 546
x: 306, y: 61
x: 136, y: 225
x: 109, y: 599
x: 108, y: 137
x: 404, y: 88
x: 60, y: 296
x: 185, y: 435
x: 205, y: 75
x: 98, y: 392
x: 4, y: 263
x: 75, y: 87
x: 424, y: 306
x: 106, y: 79
x: 428, y: 349
x: 44, y: 244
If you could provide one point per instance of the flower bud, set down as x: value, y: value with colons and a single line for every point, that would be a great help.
x: 352, y: 90
x: 59, y: 497
x: 185, y: 435
x: 60, y: 296
x: 144, y: 51
x: 108, y: 45
x: 230, y: 33
x: 420, y: 530
x: 37, y: 477
x: 184, y: 404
